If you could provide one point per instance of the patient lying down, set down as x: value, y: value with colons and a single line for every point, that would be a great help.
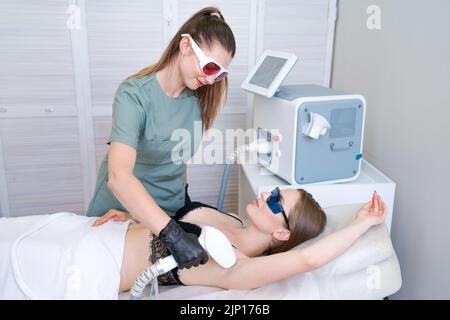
x: 262, y: 245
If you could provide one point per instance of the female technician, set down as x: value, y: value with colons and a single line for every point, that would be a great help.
x: 186, y: 85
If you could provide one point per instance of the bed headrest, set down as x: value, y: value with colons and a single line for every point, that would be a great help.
x: 339, y: 216
x: 371, y: 248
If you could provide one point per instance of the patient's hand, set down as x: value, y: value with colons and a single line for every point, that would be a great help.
x: 114, y: 215
x: 374, y: 212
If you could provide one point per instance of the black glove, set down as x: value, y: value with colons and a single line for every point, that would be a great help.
x: 187, y: 199
x: 184, y: 246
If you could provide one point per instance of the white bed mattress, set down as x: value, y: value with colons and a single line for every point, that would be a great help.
x: 368, y: 270
x: 60, y: 256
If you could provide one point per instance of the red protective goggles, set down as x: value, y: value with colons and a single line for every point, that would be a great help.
x: 209, y: 66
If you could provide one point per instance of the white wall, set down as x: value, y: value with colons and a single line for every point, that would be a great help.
x: 403, y: 70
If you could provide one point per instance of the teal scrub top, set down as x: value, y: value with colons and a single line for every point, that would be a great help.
x: 144, y: 118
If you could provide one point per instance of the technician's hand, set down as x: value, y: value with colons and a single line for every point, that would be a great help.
x: 374, y: 212
x: 114, y: 215
x: 184, y: 246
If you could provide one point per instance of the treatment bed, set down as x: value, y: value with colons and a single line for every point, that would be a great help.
x: 368, y: 270
x: 61, y: 256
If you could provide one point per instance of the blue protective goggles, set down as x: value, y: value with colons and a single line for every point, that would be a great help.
x: 274, y: 203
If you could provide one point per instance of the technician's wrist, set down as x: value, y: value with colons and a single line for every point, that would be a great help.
x: 164, y: 225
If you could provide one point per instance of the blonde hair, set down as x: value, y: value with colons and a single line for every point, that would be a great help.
x: 205, y: 26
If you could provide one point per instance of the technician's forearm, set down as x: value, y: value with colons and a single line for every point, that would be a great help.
x: 335, y: 244
x: 135, y: 198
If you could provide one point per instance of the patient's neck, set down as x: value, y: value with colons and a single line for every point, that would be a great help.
x: 249, y: 240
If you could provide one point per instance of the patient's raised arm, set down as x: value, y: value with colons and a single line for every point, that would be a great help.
x: 250, y: 273
x: 323, y: 251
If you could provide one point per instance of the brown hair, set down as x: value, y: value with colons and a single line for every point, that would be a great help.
x: 306, y: 219
x: 204, y: 28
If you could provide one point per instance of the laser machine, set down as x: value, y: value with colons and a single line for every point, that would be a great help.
x: 314, y: 134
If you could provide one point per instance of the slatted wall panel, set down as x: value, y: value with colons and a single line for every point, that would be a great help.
x: 4, y: 201
x: 43, y: 165
x: 41, y: 162
x: 123, y: 38
x: 102, y: 132
x: 36, y: 68
x: 300, y: 27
